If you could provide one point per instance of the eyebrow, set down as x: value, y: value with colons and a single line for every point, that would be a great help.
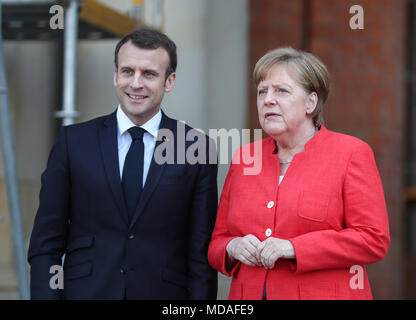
x: 151, y: 70
x: 124, y: 67
x: 277, y: 85
x: 145, y: 70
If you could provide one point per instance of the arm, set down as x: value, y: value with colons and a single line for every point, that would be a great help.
x: 202, y: 278
x: 365, y: 238
x: 217, y: 251
x: 48, y: 238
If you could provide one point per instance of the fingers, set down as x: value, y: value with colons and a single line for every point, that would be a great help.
x: 248, y: 250
x: 248, y: 259
x: 251, y: 243
x: 252, y: 252
x: 269, y: 258
x: 253, y: 240
x: 260, y: 248
x: 245, y: 250
x: 268, y: 253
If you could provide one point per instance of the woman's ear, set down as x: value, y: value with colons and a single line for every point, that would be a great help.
x: 311, y: 102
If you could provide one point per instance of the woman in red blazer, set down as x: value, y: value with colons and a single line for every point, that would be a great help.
x: 315, y: 215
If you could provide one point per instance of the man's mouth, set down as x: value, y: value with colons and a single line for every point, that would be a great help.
x: 136, y: 97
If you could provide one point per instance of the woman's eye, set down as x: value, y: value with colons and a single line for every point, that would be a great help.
x: 262, y: 92
x: 281, y: 90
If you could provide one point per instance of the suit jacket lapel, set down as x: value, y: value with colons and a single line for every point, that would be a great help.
x: 109, y: 150
x: 155, y: 170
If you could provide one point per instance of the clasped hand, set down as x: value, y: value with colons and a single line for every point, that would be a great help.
x: 252, y: 252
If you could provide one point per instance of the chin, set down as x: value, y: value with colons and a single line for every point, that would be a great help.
x: 273, y: 130
x: 136, y: 110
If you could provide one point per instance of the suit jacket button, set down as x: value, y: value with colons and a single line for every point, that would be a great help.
x: 131, y: 236
x: 270, y: 204
x: 268, y: 232
x: 123, y: 271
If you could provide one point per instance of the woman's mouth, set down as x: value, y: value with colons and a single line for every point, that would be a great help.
x: 272, y: 115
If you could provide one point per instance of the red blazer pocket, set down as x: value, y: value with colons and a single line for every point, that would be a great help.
x: 313, y: 205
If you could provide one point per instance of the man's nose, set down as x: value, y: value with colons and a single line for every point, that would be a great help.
x: 136, y: 82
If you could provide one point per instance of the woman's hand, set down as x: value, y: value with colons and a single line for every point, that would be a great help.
x: 272, y: 249
x: 244, y: 249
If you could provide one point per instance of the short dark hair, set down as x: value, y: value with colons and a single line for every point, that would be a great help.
x: 150, y: 39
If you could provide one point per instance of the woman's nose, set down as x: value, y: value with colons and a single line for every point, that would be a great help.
x: 270, y: 99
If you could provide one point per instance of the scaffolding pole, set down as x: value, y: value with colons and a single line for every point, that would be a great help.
x: 11, y: 179
x: 68, y: 112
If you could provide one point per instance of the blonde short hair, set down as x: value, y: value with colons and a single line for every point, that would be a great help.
x: 309, y: 72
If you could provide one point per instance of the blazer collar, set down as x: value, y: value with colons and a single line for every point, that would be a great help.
x: 109, y: 151
x: 312, y: 143
x: 317, y: 138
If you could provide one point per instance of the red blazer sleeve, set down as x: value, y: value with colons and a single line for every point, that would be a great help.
x: 220, y: 237
x: 365, y: 238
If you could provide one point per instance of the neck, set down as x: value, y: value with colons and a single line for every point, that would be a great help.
x: 290, y: 143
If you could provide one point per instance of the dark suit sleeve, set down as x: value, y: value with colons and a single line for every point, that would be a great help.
x: 202, y: 278
x: 48, y: 238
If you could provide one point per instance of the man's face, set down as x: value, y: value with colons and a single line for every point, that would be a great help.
x: 140, y: 81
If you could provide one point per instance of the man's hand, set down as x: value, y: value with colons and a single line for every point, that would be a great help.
x: 245, y: 250
x: 272, y: 249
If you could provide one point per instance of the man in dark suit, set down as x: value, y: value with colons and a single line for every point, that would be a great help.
x: 129, y: 225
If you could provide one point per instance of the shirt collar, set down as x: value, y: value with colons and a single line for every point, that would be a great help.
x: 151, y: 125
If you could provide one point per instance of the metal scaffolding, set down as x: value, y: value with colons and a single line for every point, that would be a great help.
x: 25, y: 19
x: 68, y: 113
x: 11, y: 179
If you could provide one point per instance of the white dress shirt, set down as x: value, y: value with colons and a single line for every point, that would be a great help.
x: 149, y: 139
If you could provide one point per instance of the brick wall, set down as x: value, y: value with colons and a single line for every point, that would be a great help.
x: 273, y: 23
x: 368, y: 93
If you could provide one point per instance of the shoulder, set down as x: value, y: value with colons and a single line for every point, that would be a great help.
x: 174, y: 124
x: 267, y: 143
x: 91, y: 124
x: 194, y: 142
x: 345, y: 148
x: 87, y: 130
x: 183, y: 130
x: 254, y: 149
x: 336, y: 141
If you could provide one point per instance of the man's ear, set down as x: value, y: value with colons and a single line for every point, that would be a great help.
x: 115, y: 77
x: 311, y: 102
x: 170, y: 81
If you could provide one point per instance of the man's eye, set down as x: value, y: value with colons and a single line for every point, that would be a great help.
x: 126, y: 71
x: 149, y: 74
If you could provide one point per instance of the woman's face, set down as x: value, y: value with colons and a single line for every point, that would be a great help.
x: 283, y: 105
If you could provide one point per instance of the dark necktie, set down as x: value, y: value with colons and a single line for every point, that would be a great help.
x: 132, y: 179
